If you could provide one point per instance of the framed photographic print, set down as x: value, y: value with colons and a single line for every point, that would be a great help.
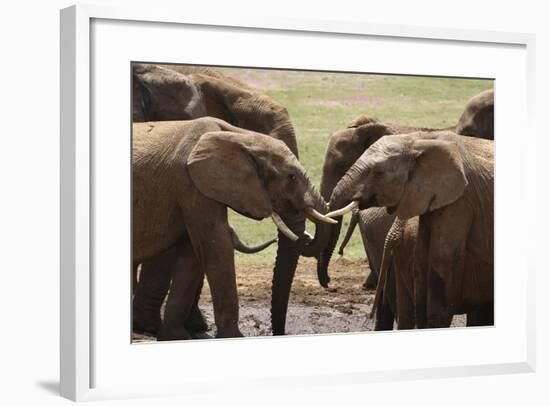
x: 210, y: 194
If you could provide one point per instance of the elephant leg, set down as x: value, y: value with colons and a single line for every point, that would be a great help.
x: 371, y: 281
x: 405, y: 303
x: 186, y: 278
x: 370, y: 249
x: 196, y: 322
x: 446, y: 265
x: 420, y: 275
x: 404, y: 279
x: 386, y: 311
x: 151, y: 290
x: 384, y: 318
x: 213, y: 247
x: 283, y: 274
x: 439, y: 314
x: 481, y: 316
x: 220, y: 272
x: 372, y: 278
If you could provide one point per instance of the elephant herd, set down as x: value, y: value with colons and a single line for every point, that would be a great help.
x: 203, y: 142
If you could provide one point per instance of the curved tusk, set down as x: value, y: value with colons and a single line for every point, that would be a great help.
x: 283, y: 228
x: 314, y: 215
x: 343, y: 210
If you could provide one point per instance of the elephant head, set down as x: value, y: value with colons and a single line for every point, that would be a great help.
x: 477, y: 120
x: 161, y: 94
x: 408, y: 174
x: 207, y: 167
x: 256, y: 176
x: 343, y: 149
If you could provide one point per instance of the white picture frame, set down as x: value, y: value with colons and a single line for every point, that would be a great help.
x: 78, y: 350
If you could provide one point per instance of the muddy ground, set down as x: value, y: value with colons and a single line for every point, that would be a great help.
x: 312, y: 309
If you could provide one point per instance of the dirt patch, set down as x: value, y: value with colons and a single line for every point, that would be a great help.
x: 341, y: 308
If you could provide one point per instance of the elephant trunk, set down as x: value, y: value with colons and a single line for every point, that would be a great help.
x: 288, y: 253
x: 287, y: 250
x: 339, y: 196
x: 351, y: 228
x: 284, y: 131
x: 323, y: 259
x: 283, y: 272
x: 393, y: 239
x: 323, y: 231
x: 348, y: 190
x: 325, y: 255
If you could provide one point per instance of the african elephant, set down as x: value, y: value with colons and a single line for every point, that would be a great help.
x: 395, y: 288
x: 182, y: 92
x: 343, y: 149
x: 447, y: 180
x: 162, y: 93
x: 346, y: 145
x: 477, y: 120
x: 185, y: 176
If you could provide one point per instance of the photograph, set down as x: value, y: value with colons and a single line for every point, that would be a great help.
x: 270, y: 202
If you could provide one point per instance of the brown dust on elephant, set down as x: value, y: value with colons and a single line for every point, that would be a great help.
x: 183, y: 92
x: 477, y: 120
x: 185, y: 176
x: 343, y: 149
x: 447, y: 180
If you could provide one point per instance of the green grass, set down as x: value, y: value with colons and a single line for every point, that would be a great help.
x: 320, y: 103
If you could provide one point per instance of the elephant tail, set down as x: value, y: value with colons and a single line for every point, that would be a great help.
x: 351, y: 228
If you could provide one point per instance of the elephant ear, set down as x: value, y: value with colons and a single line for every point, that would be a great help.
x: 436, y: 178
x: 370, y: 133
x: 224, y: 168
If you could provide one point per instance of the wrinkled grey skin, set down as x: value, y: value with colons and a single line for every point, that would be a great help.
x: 182, y: 92
x: 398, y: 286
x: 477, y: 120
x: 478, y: 117
x: 447, y: 180
x: 343, y: 149
x: 395, y: 286
x: 185, y: 175
x: 374, y: 224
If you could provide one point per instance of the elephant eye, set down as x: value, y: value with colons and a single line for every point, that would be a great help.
x: 292, y: 177
x: 378, y: 172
